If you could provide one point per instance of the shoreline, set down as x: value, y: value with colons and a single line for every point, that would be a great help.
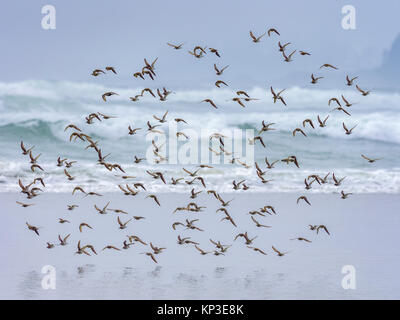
x: 363, y: 229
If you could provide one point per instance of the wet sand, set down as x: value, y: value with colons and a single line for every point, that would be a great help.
x: 364, y: 234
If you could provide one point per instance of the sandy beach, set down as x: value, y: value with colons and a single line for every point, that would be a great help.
x: 364, y: 231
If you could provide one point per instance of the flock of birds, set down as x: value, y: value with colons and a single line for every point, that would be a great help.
x: 192, y: 178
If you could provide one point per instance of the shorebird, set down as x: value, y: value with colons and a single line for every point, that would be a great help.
x: 81, y: 250
x: 25, y: 205
x: 257, y: 250
x: 155, y: 249
x: 175, y: 224
x: 72, y: 206
x: 176, y: 47
x: 195, y: 54
x: 49, y: 245
x: 126, y: 245
x: 69, y: 164
x: 182, y: 241
x: 236, y: 185
x: 104, y: 210
x: 259, y: 225
x: 239, y: 101
x: 60, y: 162
x: 25, y: 151
x: 97, y: 72
x: 175, y: 181
x: 327, y: 65
x: 322, y: 123
x: 363, y: 92
x: 308, y: 184
x: 215, y: 51
x: 301, y: 239
x: 347, y: 103
x: 210, y: 102
x: 337, y: 181
x: 303, y: 198
x: 128, y: 191
x: 63, y: 241
x: 133, y: 131
x: 133, y: 238
x: 266, y: 127
x: 341, y: 109
x: 162, y: 119
x: 122, y: 225
x: 157, y: 175
x: 219, y: 245
x: 273, y: 30
x: 73, y: 127
x: 350, y: 81
x: 344, y: 195
x: 219, y: 71
x: 256, y: 39
x: 194, y: 194
x: 61, y: 220
x: 105, y: 117
x: 325, y: 178
x: 242, y: 92
x: 334, y: 100
x: 370, y: 160
x: 138, y: 160
x: 149, y: 254
x: 70, y: 178
x: 84, y: 224
x: 138, y: 75
x: 259, y: 138
x: 291, y: 159
x: 277, y: 96
x: 161, y: 96
x: 323, y: 228
x: 111, y: 248
x: 348, y: 132
x: 224, y: 203
x: 108, y: 94
x: 282, y: 47
x: 298, y: 130
x: 32, y: 228
x: 112, y: 69
x: 280, y: 254
x: 34, y: 166
x: 289, y: 57
x: 92, y: 194
x: 304, y: 53
x: 309, y: 121
x: 246, y: 238
x: 219, y: 82
x: 266, y: 208
x: 202, y: 252
x: 270, y: 165
x: 315, y: 79
x: 33, y: 159
x: 190, y: 225
x: 135, y: 98
x: 315, y: 177
x: 154, y: 198
x: 78, y: 188
x: 228, y: 218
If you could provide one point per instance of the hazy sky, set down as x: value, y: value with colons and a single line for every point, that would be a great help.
x: 96, y: 33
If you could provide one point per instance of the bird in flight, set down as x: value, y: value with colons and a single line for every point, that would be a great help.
x: 370, y: 160
x: 176, y: 47
x: 256, y: 39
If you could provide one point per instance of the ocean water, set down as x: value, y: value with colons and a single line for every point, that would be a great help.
x: 38, y: 111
